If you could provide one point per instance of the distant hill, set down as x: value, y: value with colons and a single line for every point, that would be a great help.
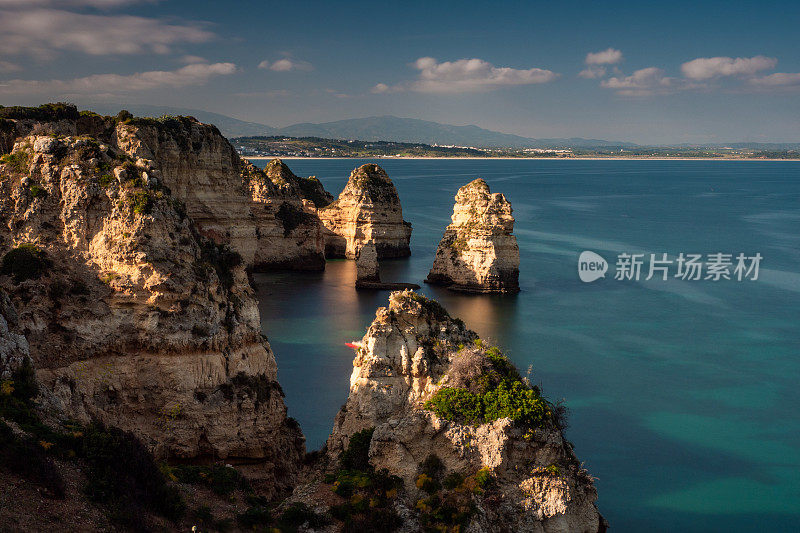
x: 747, y: 146
x: 390, y: 128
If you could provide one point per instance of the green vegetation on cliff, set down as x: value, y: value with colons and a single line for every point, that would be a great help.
x: 493, y: 389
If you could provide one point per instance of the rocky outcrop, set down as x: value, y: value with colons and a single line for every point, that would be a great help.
x: 132, y: 315
x: 266, y: 216
x: 478, y: 252
x: 368, y: 209
x: 413, y: 355
x: 367, y: 268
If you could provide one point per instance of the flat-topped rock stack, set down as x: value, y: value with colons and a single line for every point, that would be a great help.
x: 478, y: 252
x: 368, y: 209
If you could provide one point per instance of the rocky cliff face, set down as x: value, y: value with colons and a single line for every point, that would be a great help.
x: 478, y: 252
x: 414, y: 381
x: 367, y: 268
x: 133, y: 317
x: 266, y: 216
x: 13, y: 346
x: 368, y: 209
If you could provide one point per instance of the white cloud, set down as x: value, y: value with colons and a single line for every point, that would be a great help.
x: 609, y: 56
x: 705, y: 68
x: 196, y: 74
x: 592, y: 72
x: 466, y: 75
x: 285, y: 65
x: 642, y: 82
x: 43, y: 32
x: 7, y: 66
x: 779, y: 79
x: 103, y: 4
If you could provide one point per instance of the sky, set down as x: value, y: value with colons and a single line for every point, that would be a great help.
x: 644, y: 72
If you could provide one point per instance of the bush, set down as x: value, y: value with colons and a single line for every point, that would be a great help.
x: 356, y: 456
x: 25, y: 262
x: 223, y: 480
x: 122, y: 474
x: 141, y: 202
x: 516, y: 401
x: 254, y: 517
x: 37, y: 191
x: 502, y: 364
x: 18, y: 161
x: 453, y: 480
x: 107, y: 180
x: 498, y: 392
x: 28, y: 459
x: 298, y: 514
x: 427, y: 483
x: 43, y: 113
x: 459, y: 405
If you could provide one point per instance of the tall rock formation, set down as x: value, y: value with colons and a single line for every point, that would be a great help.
x: 265, y: 215
x: 368, y: 209
x: 367, y: 268
x: 478, y: 252
x: 133, y: 317
x: 428, y: 386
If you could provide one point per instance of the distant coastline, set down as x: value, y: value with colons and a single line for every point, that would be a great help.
x: 573, y: 158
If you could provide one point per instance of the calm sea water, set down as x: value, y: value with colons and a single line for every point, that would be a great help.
x: 684, y: 396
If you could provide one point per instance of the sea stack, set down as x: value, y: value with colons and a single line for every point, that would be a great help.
x: 367, y: 269
x: 478, y: 252
x: 419, y: 380
x: 368, y: 209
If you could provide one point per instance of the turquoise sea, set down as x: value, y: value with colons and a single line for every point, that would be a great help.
x: 684, y: 395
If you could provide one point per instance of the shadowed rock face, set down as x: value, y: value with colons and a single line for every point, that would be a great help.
x: 411, y: 350
x: 368, y: 209
x: 478, y: 252
x: 367, y: 268
x: 135, y: 318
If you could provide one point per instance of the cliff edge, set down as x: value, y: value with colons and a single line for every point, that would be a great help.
x: 133, y: 317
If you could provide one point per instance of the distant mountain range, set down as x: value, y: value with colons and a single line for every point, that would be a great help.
x: 390, y: 128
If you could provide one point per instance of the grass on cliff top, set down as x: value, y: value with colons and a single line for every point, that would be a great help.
x: 496, y: 391
x: 434, y: 308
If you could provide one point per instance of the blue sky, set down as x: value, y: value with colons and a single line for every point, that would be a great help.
x: 647, y: 72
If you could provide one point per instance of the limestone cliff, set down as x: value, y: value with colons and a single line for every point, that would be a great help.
x: 413, y: 380
x: 266, y: 216
x: 478, y: 252
x: 133, y: 317
x: 368, y: 209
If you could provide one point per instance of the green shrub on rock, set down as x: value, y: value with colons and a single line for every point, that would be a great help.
x: 502, y: 393
x: 25, y: 262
